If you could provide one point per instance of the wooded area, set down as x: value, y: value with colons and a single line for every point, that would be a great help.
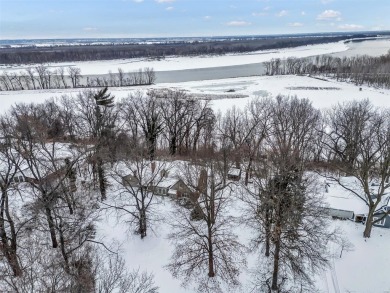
x: 28, y: 55
x: 62, y: 163
x: 372, y: 71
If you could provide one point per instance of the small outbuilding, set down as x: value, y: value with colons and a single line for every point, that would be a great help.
x: 234, y: 174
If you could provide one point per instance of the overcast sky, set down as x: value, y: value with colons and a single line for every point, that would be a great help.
x: 168, y: 18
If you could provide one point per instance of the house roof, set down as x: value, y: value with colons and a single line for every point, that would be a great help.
x: 346, y: 202
x: 144, y: 170
x: 167, y: 182
x: 234, y: 172
x: 338, y: 198
x: 50, y: 159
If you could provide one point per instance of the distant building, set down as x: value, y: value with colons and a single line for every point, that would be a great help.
x: 234, y: 174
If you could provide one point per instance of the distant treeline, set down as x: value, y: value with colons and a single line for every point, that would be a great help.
x: 109, y: 52
x: 373, y: 71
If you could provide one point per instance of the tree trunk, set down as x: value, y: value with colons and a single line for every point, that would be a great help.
x: 102, y: 181
x: 275, y: 273
x: 248, y: 171
x: 142, y: 224
x: 172, y: 145
x: 63, y: 250
x: 267, y: 240
x: 50, y: 221
x: 68, y: 202
x: 152, y: 146
x: 9, y: 250
x: 211, y: 254
x: 368, y: 228
x: 13, y: 258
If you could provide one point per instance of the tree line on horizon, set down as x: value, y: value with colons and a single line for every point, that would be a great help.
x: 109, y: 52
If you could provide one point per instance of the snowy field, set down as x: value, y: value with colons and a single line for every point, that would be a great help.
x: 182, y: 63
x: 322, y: 93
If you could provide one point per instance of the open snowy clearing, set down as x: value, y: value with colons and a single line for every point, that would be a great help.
x: 363, y: 269
x: 182, y: 63
x: 322, y: 93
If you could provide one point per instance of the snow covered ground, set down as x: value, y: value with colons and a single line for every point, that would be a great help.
x: 362, y: 269
x: 181, y: 63
x: 322, y: 93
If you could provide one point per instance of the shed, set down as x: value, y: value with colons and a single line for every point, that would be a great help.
x: 234, y: 174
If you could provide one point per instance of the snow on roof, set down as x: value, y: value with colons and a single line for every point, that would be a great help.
x: 167, y: 182
x: 346, y: 202
x: 339, y: 198
x: 234, y: 171
x: 49, y: 158
x: 172, y: 192
x: 164, y: 175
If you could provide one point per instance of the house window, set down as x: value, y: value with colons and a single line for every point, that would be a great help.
x: 18, y: 179
x: 381, y: 222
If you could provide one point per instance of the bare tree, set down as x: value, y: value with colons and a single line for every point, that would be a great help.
x: 112, y: 276
x: 178, y: 112
x: 358, y: 141
x: 10, y: 175
x: 46, y: 166
x: 207, y: 252
x: 144, y: 112
x: 283, y: 201
x: 42, y: 72
x: 96, y: 122
x: 150, y: 75
x: 30, y: 73
x: 135, y: 199
x: 75, y: 75
x: 121, y: 77
x: 61, y: 74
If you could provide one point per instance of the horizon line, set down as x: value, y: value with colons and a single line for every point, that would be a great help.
x: 199, y: 36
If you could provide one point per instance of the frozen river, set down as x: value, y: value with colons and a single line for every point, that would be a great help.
x: 370, y: 47
x: 373, y: 48
x: 196, y: 68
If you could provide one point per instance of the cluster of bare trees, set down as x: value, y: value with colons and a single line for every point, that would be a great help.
x: 373, y: 71
x: 357, y: 143
x: 170, y: 120
x: 145, y: 76
x: 282, y: 203
x: 41, y: 77
x: 69, y: 150
x: 49, y: 207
